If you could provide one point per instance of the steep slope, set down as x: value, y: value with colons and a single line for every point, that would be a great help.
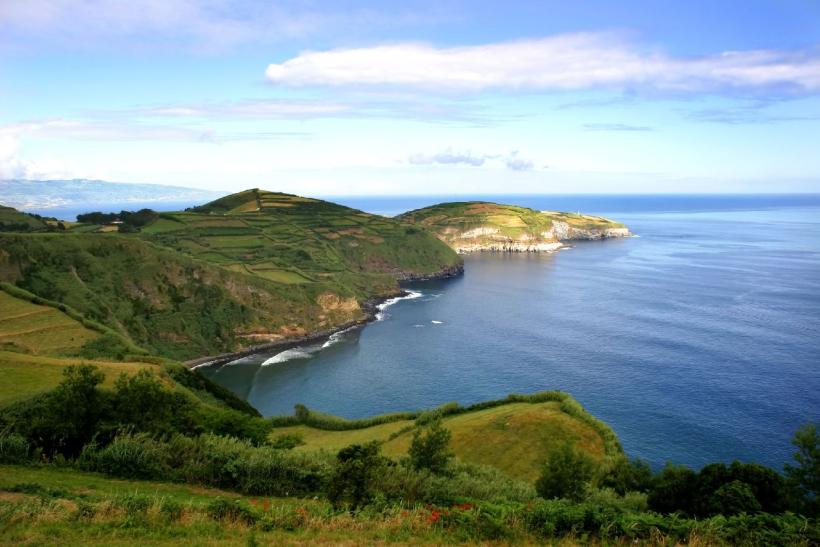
x: 248, y: 269
x: 484, y: 226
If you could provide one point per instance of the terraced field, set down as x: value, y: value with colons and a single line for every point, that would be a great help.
x: 514, y: 437
x: 39, y: 329
x: 478, y: 225
x: 291, y: 239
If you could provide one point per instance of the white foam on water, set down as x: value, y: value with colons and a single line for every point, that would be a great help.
x: 437, y: 322
x: 336, y: 337
x: 287, y: 355
x: 419, y: 326
x: 380, y: 315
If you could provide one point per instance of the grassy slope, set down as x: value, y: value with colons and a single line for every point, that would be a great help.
x: 23, y: 376
x: 513, y: 437
x: 39, y: 329
x: 292, y: 239
x: 13, y: 217
x: 449, y: 220
x: 250, y: 268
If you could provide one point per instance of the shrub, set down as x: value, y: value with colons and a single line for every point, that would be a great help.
x: 232, y: 510
x: 130, y: 456
x: 627, y: 475
x: 566, y: 473
x: 804, y: 478
x: 733, y: 498
x: 287, y: 442
x: 673, y: 489
x: 354, y: 477
x: 14, y: 448
x: 429, y: 450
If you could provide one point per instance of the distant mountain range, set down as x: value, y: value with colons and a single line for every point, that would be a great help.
x: 43, y: 195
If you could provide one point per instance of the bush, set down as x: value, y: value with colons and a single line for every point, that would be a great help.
x: 232, y: 510
x: 566, y: 474
x: 14, y: 448
x: 804, y: 478
x: 129, y: 456
x: 627, y: 475
x: 354, y: 476
x: 733, y: 498
x: 430, y: 449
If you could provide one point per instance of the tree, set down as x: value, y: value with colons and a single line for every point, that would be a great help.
x: 804, y: 477
x: 566, y: 473
x: 628, y: 476
x: 353, y: 479
x: 430, y: 449
x: 141, y: 402
x: 733, y: 498
x: 673, y: 490
x: 65, y: 419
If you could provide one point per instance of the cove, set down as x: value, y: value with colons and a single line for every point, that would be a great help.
x: 696, y: 341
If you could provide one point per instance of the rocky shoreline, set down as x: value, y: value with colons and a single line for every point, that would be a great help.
x: 370, y: 307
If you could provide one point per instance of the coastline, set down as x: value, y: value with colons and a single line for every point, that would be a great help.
x: 370, y: 308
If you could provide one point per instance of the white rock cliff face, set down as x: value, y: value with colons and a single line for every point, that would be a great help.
x: 488, y: 239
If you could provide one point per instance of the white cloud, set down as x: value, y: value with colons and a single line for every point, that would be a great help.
x: 560, y: 62
x: 210, y: 25
x: 616, y: 127
x: 449, y: 157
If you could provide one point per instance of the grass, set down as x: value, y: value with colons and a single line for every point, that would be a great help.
x: 513, y: 437
x: 12, y: 218
x: 493, y: 223
x: 23, y: 376
x: 39, y: 329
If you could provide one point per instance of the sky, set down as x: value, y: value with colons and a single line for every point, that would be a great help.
x: 414, y: 97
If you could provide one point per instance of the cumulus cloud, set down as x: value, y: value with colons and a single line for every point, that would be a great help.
x: 616, y: 127
x: 560, y: 62
x: 449, y: 157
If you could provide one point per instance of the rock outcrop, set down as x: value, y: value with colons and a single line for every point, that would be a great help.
x: 490, y: 227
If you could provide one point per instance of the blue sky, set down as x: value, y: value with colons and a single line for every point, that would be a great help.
x: 412, y: 97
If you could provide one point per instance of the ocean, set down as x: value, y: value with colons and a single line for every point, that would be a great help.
x: 697, y: 340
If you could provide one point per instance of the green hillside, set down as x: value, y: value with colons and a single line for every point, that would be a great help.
x: 479, y: 225
x: 513, y: 435
x: 296, y: 240
x: 13, y: 220
x: 247, y: 269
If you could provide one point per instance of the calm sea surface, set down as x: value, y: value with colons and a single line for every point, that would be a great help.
x: 698, y: 340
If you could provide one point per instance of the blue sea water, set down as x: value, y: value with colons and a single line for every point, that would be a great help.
x: 697, y: 341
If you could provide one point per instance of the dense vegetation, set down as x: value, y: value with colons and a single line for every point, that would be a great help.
x: 251, y: 268
x: 130, y: 221
x: 144, y: 429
